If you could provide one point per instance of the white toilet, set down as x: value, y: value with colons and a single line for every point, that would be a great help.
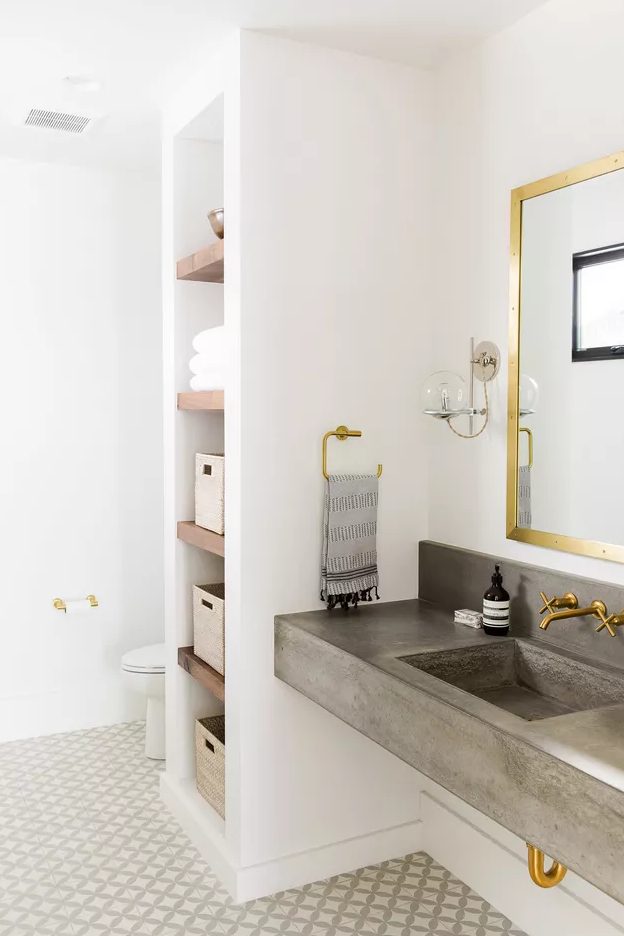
x: 144, y: 672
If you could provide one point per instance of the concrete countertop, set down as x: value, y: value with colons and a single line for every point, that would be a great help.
x: 558, y: 782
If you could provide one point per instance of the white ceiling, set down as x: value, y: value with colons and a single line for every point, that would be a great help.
x: 135, y: 46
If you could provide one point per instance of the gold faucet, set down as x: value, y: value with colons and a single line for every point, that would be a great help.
x: 567, y: 607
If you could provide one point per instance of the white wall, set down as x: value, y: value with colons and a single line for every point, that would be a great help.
x: 81, y: 471
x: 335, y: 301
x: 537, y: 98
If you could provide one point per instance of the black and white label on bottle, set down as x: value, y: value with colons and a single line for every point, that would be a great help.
x: 495, y: 613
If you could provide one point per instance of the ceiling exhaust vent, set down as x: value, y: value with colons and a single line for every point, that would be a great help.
x: 56, y: 120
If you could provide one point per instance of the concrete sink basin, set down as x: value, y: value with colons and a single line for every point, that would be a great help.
x: 524, y: 677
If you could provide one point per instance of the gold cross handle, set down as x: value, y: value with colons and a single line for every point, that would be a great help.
x: 611, y: 622
x: 554, y: 604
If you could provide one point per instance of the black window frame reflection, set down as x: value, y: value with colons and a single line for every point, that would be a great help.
x: 581, y: 261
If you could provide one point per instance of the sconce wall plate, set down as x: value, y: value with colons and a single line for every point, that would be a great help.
x: 486, y: 361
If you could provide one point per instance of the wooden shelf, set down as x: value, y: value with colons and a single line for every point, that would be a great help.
x: 204, y: 266
x: 203, y: 539
x: 204, y: 674
x: 201, y: 400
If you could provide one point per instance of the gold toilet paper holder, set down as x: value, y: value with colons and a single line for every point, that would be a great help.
x: 60, y: 604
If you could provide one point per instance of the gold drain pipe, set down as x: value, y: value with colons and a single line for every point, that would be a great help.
x: 539, y: 876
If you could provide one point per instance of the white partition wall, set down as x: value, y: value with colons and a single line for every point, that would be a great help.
x: 334, y: 163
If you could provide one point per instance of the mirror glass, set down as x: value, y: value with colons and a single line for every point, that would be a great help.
x: 569, y: 372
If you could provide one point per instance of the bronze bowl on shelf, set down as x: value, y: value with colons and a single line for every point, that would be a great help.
x: 216, y: 221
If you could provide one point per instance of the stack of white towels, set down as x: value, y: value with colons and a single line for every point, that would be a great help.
x: 207, y: 366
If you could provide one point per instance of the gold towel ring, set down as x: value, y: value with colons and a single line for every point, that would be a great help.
x: 342, y: 433
x: 530, y: 441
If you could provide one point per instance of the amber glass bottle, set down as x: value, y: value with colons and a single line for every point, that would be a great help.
x: 496, y: 607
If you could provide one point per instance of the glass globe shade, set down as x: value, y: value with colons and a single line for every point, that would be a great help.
x: 444, y: 395
x: 529, y: 395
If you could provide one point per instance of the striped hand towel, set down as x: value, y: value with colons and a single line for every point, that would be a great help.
x: 524, y: 496
x: 349, y: 560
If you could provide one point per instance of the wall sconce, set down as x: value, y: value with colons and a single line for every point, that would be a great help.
x: 444, y: 395
x: 529, y: 395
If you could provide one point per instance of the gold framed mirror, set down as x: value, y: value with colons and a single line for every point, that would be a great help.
x: 566, y: 343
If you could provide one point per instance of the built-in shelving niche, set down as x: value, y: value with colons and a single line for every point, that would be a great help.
x: 196, y: 185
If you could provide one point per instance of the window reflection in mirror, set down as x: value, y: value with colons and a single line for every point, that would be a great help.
x: 598, y: 304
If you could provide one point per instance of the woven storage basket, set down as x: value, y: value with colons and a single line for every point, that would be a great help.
x: 209, y: 625
x: 210, y: 760
x: 209, y: 475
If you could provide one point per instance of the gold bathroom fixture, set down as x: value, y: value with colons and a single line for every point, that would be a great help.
x: 529, y: 433
x: 342, y: 433
x: 613, y: 621
x: 554, y: 604
x: 538, y: 874
x: 60, y: 604
x: 568, y: 608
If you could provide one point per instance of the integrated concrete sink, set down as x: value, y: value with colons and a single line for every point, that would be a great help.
x: 557, y: 781
x: 523, y: 677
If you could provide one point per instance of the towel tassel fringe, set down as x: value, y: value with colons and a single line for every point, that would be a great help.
x: 350, y: 598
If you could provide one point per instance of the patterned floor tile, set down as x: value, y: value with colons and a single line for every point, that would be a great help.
x: 467, y: 914
x: 87, y: 849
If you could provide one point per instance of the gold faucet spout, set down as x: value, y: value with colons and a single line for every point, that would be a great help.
x: 596, y: 609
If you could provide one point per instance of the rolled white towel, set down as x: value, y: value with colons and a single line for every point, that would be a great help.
x: 210, y: 341
x: 205, y: 364
x: 212, y: 380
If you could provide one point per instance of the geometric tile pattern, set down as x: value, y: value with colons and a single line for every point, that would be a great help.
x: 88, y: 849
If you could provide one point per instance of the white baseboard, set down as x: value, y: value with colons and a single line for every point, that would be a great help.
x: 204, y: 827
x: 207, y: 832
x: 494, y: 863
x: 321, y: 863
x: 72, y: 707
